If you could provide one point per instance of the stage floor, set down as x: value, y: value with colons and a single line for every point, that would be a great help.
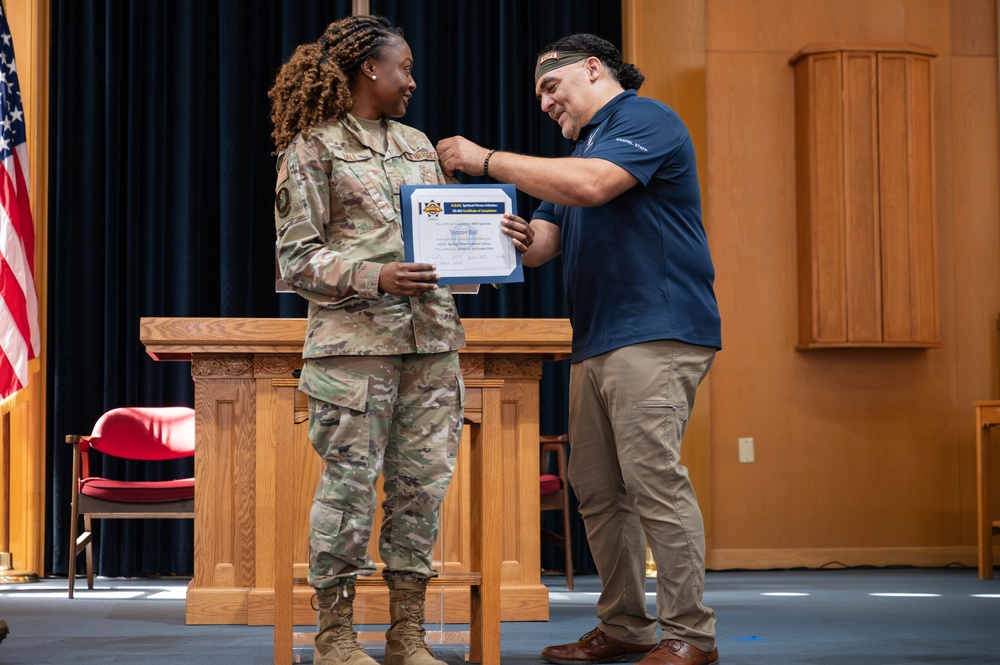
x: 826, y: 617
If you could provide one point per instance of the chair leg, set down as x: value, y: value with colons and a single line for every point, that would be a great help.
x: 90, y: 551
x: 984, y: 497
x: 71, y: 571
x: 567, y: 542
x: 74, y: 519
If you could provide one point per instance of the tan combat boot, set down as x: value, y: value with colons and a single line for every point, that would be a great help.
x: 336, y: 641
x: 406, y: 640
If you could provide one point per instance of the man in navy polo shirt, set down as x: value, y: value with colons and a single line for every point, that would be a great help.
x: 624, y: 210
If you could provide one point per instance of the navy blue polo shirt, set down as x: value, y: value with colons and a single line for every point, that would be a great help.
x: 637, y: 268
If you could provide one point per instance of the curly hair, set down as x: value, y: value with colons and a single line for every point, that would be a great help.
x: 627, y: 74
x: 314, y: 85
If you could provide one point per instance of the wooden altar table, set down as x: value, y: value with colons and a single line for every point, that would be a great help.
x: 239, y: 367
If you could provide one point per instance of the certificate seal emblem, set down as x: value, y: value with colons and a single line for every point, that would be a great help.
x: 463, y: 236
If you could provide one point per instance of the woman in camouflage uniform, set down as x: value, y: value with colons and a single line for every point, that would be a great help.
x: 381, y: 362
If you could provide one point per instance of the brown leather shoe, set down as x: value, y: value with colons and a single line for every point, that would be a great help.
x: 677, y: 652
x: 594, y: 647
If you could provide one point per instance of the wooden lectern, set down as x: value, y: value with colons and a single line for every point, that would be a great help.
x: 240, y: 366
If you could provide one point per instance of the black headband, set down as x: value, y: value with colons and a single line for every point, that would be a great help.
x: 556, y: 59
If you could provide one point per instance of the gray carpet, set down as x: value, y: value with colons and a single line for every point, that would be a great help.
x: 829, y: 617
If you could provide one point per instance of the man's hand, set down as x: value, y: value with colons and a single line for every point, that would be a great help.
x: 458, y: 153
x: 407, y: 279
x: 520, y: 232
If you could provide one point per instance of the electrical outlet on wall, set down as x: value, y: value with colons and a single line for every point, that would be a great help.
x: 746, y: 449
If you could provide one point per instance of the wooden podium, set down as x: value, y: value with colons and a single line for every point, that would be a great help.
x: 240, y: 366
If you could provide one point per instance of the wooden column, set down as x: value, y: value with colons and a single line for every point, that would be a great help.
x: 30, y: 28
x: 667, y: 42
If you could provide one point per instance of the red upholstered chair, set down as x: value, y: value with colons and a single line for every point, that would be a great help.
x: 134, y: 433
x: 555, y: 496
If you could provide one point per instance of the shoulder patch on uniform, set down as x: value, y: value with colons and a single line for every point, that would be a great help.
x: 281, y: 202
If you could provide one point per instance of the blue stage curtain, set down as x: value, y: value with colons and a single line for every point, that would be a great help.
x: 161, y: 191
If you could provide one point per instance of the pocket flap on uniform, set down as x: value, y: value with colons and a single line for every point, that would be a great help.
x: 335, y: 385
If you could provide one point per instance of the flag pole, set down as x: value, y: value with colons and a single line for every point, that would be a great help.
x: 7, y: 573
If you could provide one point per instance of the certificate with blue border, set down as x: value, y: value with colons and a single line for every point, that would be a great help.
x: 457, y: 228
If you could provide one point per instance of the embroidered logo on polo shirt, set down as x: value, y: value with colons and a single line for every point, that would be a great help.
x: 633, y: 144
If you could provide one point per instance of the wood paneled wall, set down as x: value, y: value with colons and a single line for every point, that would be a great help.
x: 863, y: 456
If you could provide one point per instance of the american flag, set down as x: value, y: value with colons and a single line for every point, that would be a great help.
x: 19, y: 337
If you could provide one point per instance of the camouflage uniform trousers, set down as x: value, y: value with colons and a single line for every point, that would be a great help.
x: 397, y: 415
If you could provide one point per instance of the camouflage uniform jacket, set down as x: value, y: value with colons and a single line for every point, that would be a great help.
x: 337, y: 213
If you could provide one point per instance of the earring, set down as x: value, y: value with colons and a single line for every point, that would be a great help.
x: 373, y: 77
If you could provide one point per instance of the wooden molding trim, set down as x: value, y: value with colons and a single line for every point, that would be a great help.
x: 232, y: 367
x: 869, y: 46
x: 179, y: 338
x: 849, y: 557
